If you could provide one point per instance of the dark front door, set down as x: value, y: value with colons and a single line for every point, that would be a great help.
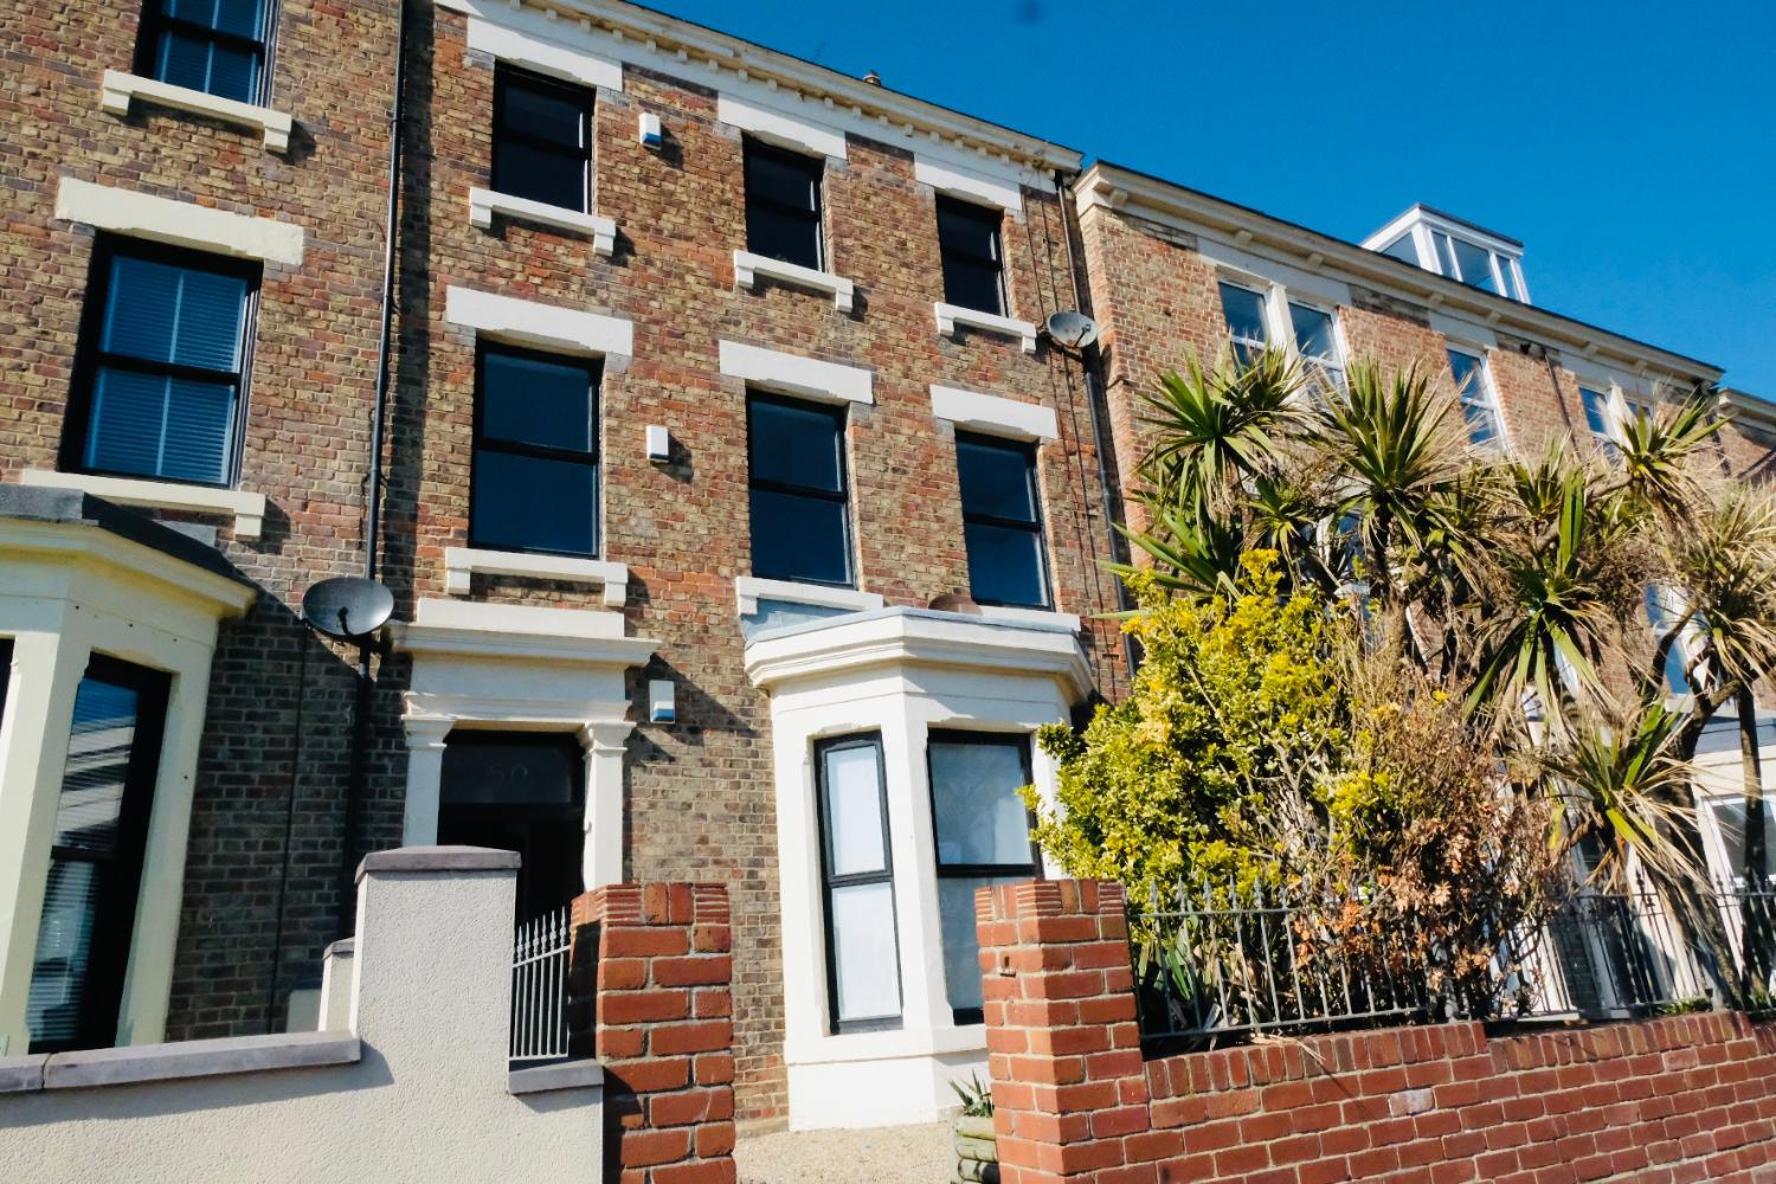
x: 523, y: 792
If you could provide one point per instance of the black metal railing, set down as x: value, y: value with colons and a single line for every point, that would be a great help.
x: 1217, y: 964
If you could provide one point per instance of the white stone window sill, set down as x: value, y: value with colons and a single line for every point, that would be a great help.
x: 248, y: 508
x: 118, y: 90
x: 748, y: 267
x: 460, y: 563
x: 749, y: 590
x: 139, y: 1063
x: 485, y: 203
x: 949, y: 316
x: 1028, y: 616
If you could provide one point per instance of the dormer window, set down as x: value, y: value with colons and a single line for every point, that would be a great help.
x: 1458, y: 250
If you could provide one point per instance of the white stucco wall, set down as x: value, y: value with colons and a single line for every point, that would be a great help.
x: 428, y: 1101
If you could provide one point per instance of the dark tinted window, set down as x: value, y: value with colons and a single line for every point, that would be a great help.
x: 983, y: 838
x: 1002, y: 521
x: 162, y: 358
x: 95, y: 861
x: 216, y: 46
x: 535, y: 482
x: 862, y: 953
x: 968, y: 237
x: 801, y: 527
x: 783, y: 205
x: 522, y: 792
x: 542, y: 139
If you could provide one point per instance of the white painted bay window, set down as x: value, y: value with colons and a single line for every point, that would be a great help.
x: 863, y: 963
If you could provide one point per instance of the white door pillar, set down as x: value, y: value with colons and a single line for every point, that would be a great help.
x: 46, y: 670
x: 601, y: 859
x: 425, y: 778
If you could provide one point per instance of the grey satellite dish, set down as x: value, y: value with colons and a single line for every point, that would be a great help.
x: 347, y: 607
x: 1072, y: 329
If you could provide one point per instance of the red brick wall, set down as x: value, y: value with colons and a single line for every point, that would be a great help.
x: 664, y: 1029
x: 1686, y: 1098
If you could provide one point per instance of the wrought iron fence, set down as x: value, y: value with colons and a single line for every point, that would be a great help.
x: 1215, y: 964
x: 540, y: 951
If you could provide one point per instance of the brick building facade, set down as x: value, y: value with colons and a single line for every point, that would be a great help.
x: 633, y: 659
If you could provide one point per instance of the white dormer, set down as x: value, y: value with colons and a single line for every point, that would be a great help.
x: 1450, y: 247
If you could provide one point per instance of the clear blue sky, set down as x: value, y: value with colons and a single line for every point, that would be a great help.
x: 1630, y: 145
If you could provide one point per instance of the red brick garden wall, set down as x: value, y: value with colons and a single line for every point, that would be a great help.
x: 1686, y: 1098
x: 660, y: 961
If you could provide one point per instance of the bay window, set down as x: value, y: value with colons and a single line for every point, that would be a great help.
x: 862, y: 951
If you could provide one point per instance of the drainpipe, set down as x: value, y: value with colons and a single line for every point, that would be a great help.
x: 361, y: 705
x: 1090, y: 362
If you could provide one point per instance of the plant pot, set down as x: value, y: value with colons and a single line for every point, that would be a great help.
x: 977, y: 1152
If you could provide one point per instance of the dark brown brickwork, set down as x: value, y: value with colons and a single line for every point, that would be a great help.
x: 307, y: 427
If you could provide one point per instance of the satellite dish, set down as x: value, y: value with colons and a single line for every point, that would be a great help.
x: 1072, y: 329
x: 347, y: 607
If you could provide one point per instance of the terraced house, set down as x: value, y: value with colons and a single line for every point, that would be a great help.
x: 698, y: 406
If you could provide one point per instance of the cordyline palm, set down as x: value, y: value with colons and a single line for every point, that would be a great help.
x: 1559, y: 609
x: 1655, y: 452
x: 1217, y: 429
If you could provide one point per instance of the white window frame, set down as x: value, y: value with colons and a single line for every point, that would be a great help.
x: 1338, y: 362
x: 1500, y: 440
x: 1259, y: 287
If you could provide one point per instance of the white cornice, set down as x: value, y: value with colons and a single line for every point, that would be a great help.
x: 860, y: 642
x: 141, y: 567
x: 519, y: 633
x: 1124, y: 192
x: 703, y: 56
x: 1739, y: 405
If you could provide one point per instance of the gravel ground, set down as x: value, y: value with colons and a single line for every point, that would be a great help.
x: 890, y: 1155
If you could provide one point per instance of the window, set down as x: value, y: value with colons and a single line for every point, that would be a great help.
x: 535, y: 480
x: 162, y: 365
x: 1599, y: 420
x: 1002, y: 521
x: 542, y: 139
x: 1403, y: 249
x: 783, y: 205
x: 1476, y: 397
x: 519, y: 792
x: 1316, y: 340
x: 216, y: 46
x: 862, y: 950
x: 973, y: 272
x: 1244, y: 310
x: 1663, y: 611
x: 983, y: 838
x: 95, y: 863
x: 1474, y: 265
x: 801, y: 516
x: 1729, y: 817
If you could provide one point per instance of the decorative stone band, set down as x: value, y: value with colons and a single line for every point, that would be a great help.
x: 248, y: 508
x: 118, y: 89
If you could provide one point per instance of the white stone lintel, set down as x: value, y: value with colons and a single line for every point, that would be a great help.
x: 780, y: 127
x: 993, y: 415
x: 485, y: 203
x: 181, y: 223
x: 460, y: 563
x: 949, y: 316
x: 967, y: 184
x: 748, y: 267
x: 545, y: 326
x: 248, y: 508
x: 117, y: 90
x: 793, y: 374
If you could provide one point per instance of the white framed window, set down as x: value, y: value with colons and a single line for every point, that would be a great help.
x: 1479, y: 401
x: 1248, y: 325
x: 1602, y: 417
x: 1315, y: 338
x: 1475, y: 265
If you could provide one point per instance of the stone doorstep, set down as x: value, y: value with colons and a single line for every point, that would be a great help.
x: 586, y: 1074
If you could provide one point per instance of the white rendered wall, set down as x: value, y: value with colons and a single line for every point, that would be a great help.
x: 428, y: 1101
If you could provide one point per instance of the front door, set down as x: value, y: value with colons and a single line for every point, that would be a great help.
x: 523, y: 792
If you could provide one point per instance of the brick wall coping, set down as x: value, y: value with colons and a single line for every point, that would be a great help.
x: 411, y: 860
x: 141, y: 1063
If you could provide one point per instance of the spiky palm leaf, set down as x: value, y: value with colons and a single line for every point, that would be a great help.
x: 1191, y: 554
x: 1215, y: 429
x: 1655, y: 453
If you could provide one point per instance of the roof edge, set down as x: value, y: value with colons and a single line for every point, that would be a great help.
x: 1118, y: 187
